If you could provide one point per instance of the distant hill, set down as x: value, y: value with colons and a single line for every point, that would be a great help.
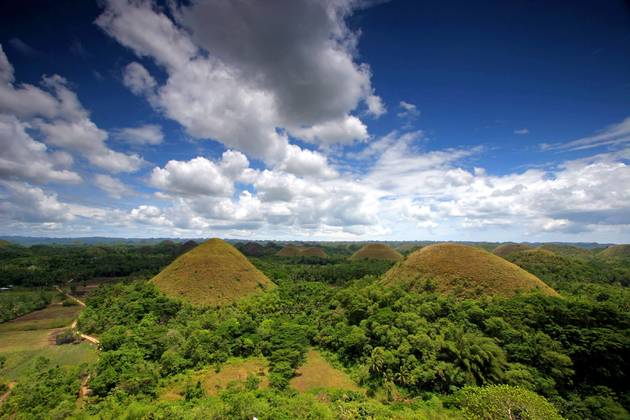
x: 252, y: 249
x: 212, y: 273
x: 567, y: 250
x: 295, y: 251
x: 616, y: 251
x: 463, y: 271
x: 506, y: 249
x: 289, y: 251
x: 377, y: 252
x: 313, y: 251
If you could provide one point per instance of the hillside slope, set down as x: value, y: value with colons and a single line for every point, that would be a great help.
x: 506, y: 249
x: 616, y: 251
x: 377, y: 252
x: 463, y: 271
x: 212, y: 273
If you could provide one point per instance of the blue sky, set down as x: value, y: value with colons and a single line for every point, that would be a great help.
x: 334, y: 119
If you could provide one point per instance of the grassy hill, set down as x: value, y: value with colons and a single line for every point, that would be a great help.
x: 295, y: 251
x: 463, y: 271
x: 616, y: 251
x: 506, y: 249
x: 567, y: 250
x: 313, y: 251
x: 289, y: 251
x: 252, y: 249
x: 377, y: 252
x: 212, y: 273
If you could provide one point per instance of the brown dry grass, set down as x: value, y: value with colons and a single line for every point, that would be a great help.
x: 313, y: 251
x: 463, y: 271
x: 377, y: 252
x: 212, y: 273
x: 317, y: 372
x: 616, y: 251
x: 213, y: 382
x: 507, y: 249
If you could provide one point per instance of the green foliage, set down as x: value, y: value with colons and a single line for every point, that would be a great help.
x: 505, y: 402
x: 15, y: 303
x: 47, y: 391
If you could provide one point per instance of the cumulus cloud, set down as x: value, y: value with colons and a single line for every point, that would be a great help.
x: 56, y: 112
x: 225, y: 82
x: 112, y: 186
x: 22, y: 157
x: 25, y: 203
x: 150, y: 134
x: 201, y: 176
x: 408, y: 110
x: 521, y: 131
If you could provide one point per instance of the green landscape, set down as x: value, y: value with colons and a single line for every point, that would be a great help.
x: 240, y: 330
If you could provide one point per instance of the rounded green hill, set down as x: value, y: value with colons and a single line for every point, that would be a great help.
x: 463, y: 271
x: 616, y: 251
x: 212, y: 273
x: 377, y: 252
x: 506, y: 249
x: 313, y: 251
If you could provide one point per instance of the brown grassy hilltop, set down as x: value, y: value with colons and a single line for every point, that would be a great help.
x: 506, y: 249
x: 377, y: 252
x: 463, y: 271
x: 616, y: 251
x: 212, y: 273
x: 289, y: 251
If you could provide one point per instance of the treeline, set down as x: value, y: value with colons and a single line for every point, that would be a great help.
x: 45, y: 265
x: 15, y: 303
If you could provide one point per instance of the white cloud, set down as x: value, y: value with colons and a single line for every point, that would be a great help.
x: 613, y: 135
x: 138, y: 79
x: 56, y: 112
x: 408, y: 110
x: 225, y: 83
x: 25, y: 203
x: 23, y: 158
x: 150, y: 134
x: 112, y: 186
x: 201, y: 176
x: 344, y: 131
x: 521, y: 131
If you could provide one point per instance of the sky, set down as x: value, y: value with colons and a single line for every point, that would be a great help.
x: 316, y: 120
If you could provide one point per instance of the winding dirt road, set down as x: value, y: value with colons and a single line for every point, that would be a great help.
x: 86, y: 337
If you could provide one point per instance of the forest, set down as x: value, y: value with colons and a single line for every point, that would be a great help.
x: 411, y: 354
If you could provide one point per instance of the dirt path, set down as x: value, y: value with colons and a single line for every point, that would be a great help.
x: 80, y: 302
x: 4, y: 396
x: 86, y: 337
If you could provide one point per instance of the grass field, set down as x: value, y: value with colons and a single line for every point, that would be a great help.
x: 53, y: 316
x: 317, y: 372
x: 28, y: 337
x: 235, y: 370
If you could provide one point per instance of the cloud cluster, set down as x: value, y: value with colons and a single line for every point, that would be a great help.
x: 247, y: 74
x: 55, y: 111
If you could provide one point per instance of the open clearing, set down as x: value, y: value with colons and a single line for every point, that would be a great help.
x: 53, y: 316
x: 236, y: 370
x: 317, y: 372
x: 28, y: 337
